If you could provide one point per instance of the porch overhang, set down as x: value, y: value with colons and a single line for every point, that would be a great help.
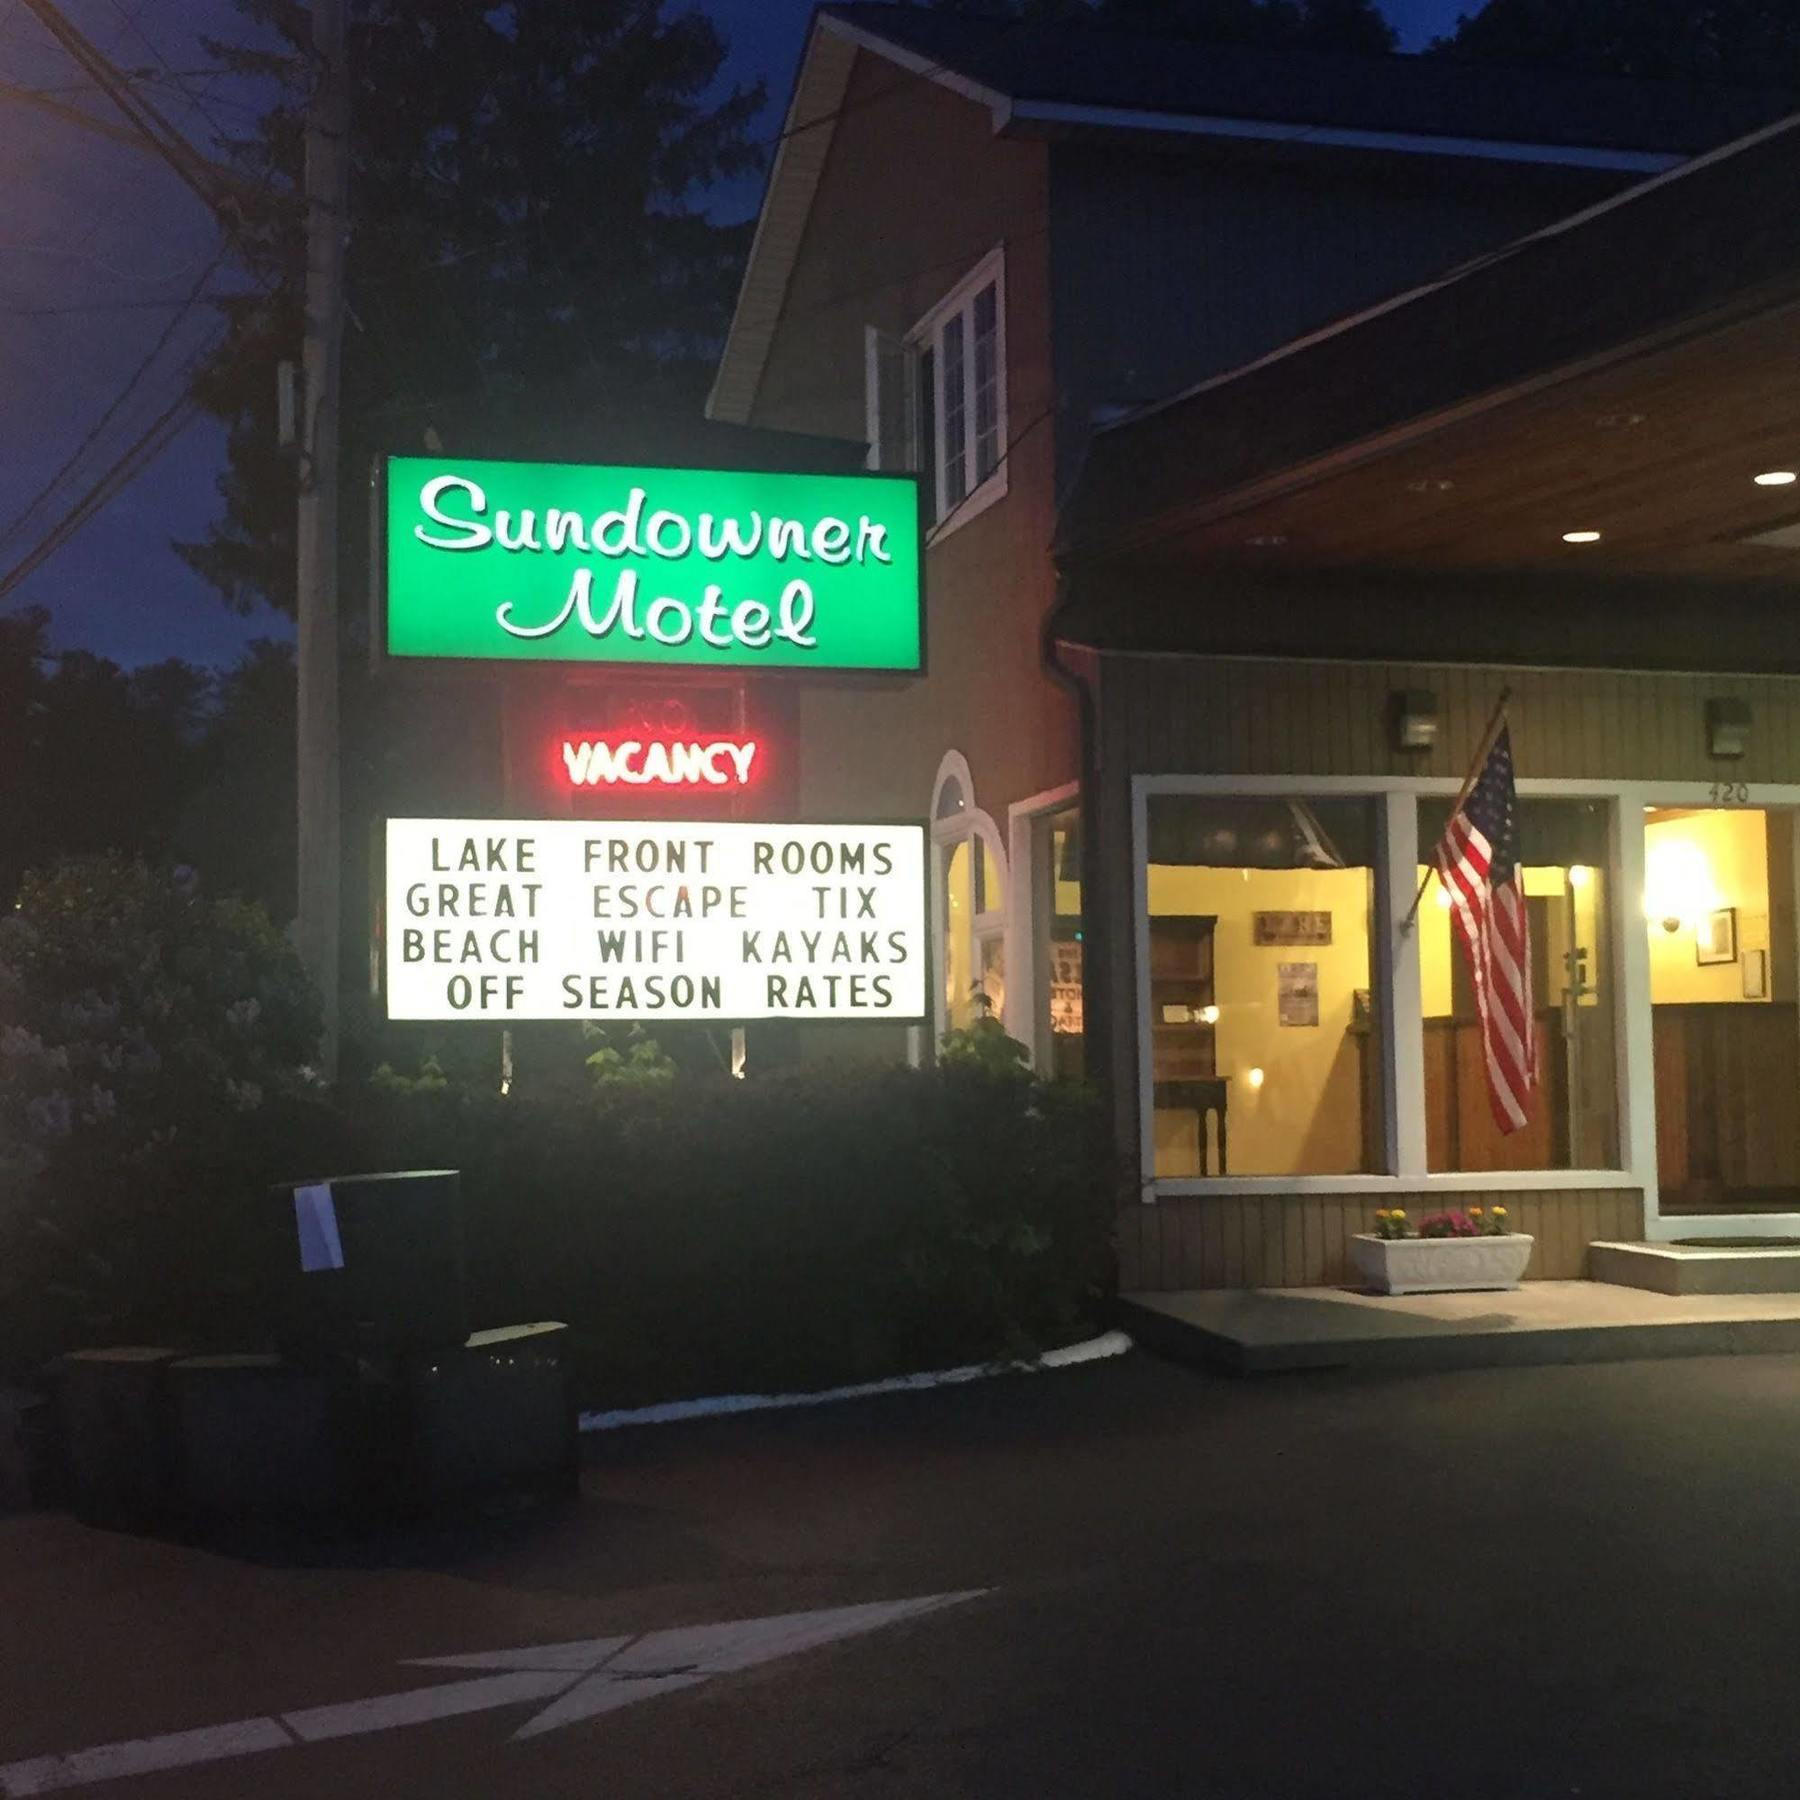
x: 1399, y: 485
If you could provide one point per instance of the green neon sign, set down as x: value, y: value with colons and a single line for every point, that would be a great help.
x: 674, y: 568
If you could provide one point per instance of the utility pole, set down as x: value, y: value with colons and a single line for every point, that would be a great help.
x: 327, y: 209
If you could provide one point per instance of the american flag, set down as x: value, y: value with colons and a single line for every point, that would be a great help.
x: 1478, y: 863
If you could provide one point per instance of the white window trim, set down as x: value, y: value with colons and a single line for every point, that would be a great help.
x: 929, y: 332
x: 1397, y: 975
x: 1028, y: 917
x: 970, y: 825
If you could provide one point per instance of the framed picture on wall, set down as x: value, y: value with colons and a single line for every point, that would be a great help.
x: 1715, y: 936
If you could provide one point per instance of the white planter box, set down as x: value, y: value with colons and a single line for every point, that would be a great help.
x: 1440, y: 1265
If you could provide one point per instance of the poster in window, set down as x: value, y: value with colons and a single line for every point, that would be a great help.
x: 1065, y: 987
x: 1298, y: 993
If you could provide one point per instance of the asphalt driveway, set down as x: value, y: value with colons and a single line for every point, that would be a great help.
x: 1134, y: 1579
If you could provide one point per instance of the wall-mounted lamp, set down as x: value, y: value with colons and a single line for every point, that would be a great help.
x: 1413, y: 719
x: 1727, y: 727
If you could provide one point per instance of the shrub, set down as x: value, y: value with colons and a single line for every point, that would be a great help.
x: 797, y: 1229
x: 152, y: 1046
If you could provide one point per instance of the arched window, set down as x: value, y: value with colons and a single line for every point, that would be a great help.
x: 968, y: 879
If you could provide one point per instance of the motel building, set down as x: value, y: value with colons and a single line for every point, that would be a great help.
x: 1272, y: 416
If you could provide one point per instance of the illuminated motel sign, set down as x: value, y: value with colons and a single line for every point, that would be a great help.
x: 513, y: 919
x: 619, y: 760
x: 731, y: 570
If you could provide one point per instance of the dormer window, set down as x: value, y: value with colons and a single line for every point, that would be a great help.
x: 959, y: 376
x: 936, y: 398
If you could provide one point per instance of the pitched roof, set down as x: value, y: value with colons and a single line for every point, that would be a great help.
x: 1093, y: 66
x: 1707, y: 241
x: 1077, y: 77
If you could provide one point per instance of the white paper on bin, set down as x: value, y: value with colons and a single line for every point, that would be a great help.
x: 315, y: 1218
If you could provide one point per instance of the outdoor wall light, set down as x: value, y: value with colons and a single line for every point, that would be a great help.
x: 1254, y: 1077
x: 1209, y: 1015
x: 1727, y: 727
x: 1413, y: 717
x: 1580, y: 875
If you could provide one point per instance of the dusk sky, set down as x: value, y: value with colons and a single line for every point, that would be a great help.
x: 95, y: 236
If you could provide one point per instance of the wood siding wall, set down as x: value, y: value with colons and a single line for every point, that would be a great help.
x: 1244, y: 1241
x: 1182, y: 715
x: 915, y: 191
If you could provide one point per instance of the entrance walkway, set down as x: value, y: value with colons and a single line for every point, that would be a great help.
x: 1260, y: 1330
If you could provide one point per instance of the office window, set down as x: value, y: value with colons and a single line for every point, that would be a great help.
x: 1573, y: 1119
x: 1264, y: 1044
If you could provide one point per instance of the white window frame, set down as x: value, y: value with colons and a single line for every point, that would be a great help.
x: 975, y: 827
x: 1396, y: 984
x: 928, y: 333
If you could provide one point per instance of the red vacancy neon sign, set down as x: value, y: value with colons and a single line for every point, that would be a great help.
x: 668, y: 762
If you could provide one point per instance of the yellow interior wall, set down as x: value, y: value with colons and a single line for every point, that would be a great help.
x: 1694, y: 863
x: 1437, y: 939
x: 1306, y: 1118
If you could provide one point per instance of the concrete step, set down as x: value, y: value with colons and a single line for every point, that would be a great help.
x: 1262, y: 1330
x: 1696, y: 1268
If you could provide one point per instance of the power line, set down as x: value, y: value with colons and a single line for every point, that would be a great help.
x: 174, y: 79
x: 205, y: 179
x: 143, y: 450
x: 168, y: 331
x: 104, y: 306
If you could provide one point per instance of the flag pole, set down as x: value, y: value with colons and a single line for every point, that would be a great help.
x: 1494, y: 724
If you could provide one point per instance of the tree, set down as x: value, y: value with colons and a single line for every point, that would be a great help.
x: 1752, y: 42
x: 525, y: 250
x: 169, y: 763
x: 1349, y: 25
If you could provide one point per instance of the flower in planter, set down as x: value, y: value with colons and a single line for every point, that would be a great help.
x: 1449, y: 1223
x: 1391, y: 1222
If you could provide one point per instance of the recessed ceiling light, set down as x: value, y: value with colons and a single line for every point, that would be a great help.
x: 1618, y: 421
x: 1267, y: 540
x: 1581, y: 537
x: 1430, y: 484
x: 1776, y: 478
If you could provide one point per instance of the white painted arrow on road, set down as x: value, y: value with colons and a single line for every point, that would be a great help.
x: 581, y: 1680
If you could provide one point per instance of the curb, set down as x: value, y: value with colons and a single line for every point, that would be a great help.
x: 1109, y: 1343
